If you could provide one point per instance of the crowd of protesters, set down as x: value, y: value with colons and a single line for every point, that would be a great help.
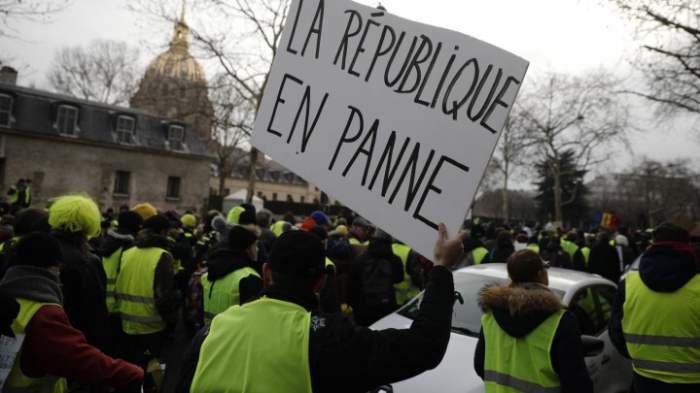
x: 101, y: 293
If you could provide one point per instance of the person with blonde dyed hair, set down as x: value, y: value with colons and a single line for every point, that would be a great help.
x: 74, y: 218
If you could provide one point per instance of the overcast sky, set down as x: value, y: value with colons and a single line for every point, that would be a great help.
x: 566, y: 36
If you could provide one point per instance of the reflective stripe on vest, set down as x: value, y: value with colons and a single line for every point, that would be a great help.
x: 405, y: 290
x: 134, y: 291
x: 522, y: 364
x: 223, y: 293
x: 18, y: 382
x: 111, y: 266
x: 269, y: 335
x: 479, y: 254
x: 661, y: 330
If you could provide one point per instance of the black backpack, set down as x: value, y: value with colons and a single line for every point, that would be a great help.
x: 377, y: 283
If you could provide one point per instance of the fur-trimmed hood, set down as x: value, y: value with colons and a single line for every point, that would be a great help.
x: 115, y: 240
x: 519, y: 309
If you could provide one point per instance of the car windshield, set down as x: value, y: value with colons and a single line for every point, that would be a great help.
x: 466, y: 318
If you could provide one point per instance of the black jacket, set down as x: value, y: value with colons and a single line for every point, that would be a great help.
x: 224, y: 261
x: 84, y: 285
x: 663, y: 268
x: 501, y: 252
x: 520, y: 310
x: 365, y: 314
x: 344, y: 358
x: 605, y: 262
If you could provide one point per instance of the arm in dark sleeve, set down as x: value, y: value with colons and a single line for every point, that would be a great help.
x: 249, y: 287
x: 190, y: 360
x: 352, y: 285
x: 58, y: 348
x: 579, y: 261
x: 164, y: 289
x: 480, y: 355
x: 567, y: 357
x: 72, y: 289
x: 364, y: 359
x: 615, y: 323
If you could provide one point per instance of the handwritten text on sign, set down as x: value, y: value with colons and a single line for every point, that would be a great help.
x: 9, y: 347
x: 394, y: 118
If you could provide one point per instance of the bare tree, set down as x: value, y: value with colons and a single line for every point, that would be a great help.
x: 241, y: 38
x: 231, y: 126
x: 669, y: 58
x: 579, y: 114
x: 508, y: 158
x: 15, y: 11
x: 104, y: 71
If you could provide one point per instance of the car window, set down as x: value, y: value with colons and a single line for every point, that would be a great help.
x: 466, y: 318
x: 592, y: 306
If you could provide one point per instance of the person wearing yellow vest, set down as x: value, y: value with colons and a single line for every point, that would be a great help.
x: 528, y: 341
x: 21, y: 195
x: 328, y: 297
x: 145, y: 291
x: 51, y: 351
x: 655, y: 319
x: 75, y: 218
x: 24, y: 222
x: 360, y: 232
x: 281, y: 342
x: 412, y: 282
x: 117, y: 241
x: 230, y: 279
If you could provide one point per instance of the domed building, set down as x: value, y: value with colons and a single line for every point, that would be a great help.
x: 175, y: 86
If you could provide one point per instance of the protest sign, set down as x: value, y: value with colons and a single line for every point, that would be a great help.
x: 9, y: 348
x: 394, y: 118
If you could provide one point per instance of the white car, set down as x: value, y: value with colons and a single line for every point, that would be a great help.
x: 610, y: 371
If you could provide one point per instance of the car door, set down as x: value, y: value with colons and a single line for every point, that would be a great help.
x: 609, y: 370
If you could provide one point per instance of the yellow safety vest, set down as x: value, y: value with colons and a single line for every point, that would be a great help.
x: 136, y: 303
x: 277, y: 227
x: 586, y: 254
x: 533, y: 247
x: 330, y: 264
x: 257, y: 337
x: 661, y: 330
x: 479, y: 254
x: 223, y: 293
x: 520, y: 364
x: 17, y: 381
x: 405, y: 290
x: 111, y: 266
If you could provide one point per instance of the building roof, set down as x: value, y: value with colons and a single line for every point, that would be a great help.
x: 35, y: 112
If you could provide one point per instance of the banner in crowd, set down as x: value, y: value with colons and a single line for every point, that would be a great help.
x: 396, y: 119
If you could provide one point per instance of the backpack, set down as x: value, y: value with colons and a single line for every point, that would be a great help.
x: 377, y: 283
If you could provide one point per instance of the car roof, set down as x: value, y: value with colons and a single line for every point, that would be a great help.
x: 561, y: 279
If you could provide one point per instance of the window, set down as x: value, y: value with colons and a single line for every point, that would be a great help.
x: 592, y: 308
x: 289, y: 198
x: 260, y: 194
x: 274, y: 196
x: 5, y: 110
x: 67, y: 120
x: 125, y: 129
x: 301, y: 199
x: 173, y: 191
x: 121, y: 183
x: 176, y: 137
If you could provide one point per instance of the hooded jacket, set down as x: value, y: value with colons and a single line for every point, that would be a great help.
x: 519, y: 310
x: 115, y: 240
x: 664, y: 267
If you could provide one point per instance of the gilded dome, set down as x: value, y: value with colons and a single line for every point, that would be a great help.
x: 177, y: 62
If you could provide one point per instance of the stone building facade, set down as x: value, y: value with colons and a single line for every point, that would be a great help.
x: 116, y: 155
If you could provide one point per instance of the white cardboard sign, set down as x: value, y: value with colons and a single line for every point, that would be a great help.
x: 9, y: 347
x: 394, y: 118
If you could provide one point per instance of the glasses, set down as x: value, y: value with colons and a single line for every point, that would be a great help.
x: 546, y: 265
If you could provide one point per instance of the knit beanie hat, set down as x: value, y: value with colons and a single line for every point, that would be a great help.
x: 297, y: 253
x: 75, y: 213
x: 129, y: 221
x: 157, y: 223
x: 320, y: 217
x: 188, y: 221
x: 31, y: 220
x: 146, y: 210
x: 248, y: 215
x: 240, y: 238
x: 219, y: 223
x: 38, y: 249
